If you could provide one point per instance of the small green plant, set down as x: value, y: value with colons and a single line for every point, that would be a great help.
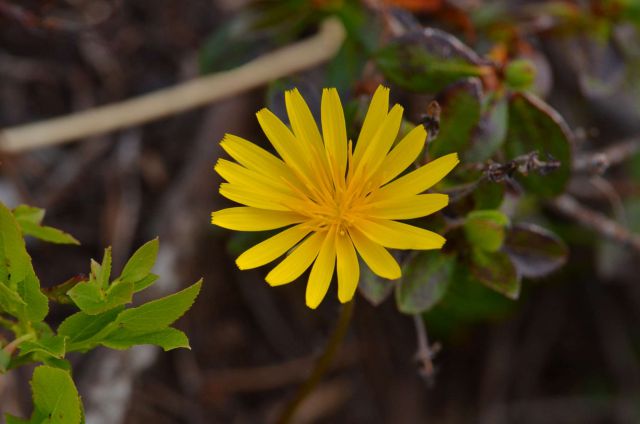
x: 105, y: 317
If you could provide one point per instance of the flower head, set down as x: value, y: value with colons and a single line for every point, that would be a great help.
x: 335, y: 199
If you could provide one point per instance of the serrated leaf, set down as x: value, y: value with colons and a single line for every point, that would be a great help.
x: 427, y: 60
x: 30, y: 219
x: 141, y: 262
x: 83, y: 331
x: 145, y: 282
x: 536, y: 126
x: 88, y: 297
x: 485, y: 229
x: 460, y: 114
x: 37, y: 303
x: 424, y: 282
x: 158, y: 314
x: 103, y: 272
x: 16, y: 259
x: 375, y: 289
x: 18, y: 271
x: 50, y: 234
x: 490, y: 133
x: 167, y: 339
x: 496, y: 271
x: 535, y: 251
x: 55, y: 397
x: 26, y: 213
x: 10, y: 301
x: 49, y: 345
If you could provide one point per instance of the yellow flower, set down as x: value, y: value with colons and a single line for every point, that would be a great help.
x: 334, y: 200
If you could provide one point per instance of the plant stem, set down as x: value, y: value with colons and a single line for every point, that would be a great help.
x: 322, y: 364
x: 8, y: 324
x: 14, y: 344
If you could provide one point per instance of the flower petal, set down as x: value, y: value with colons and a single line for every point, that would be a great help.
x: 271, y: 248
x: 247, y: 196
x: 381, y: 143
x: 377, y: 112
x: 404, y: 154
x: 252, y: 219
x: 283, y: 140
x: 376, y: 257
x: 238, y: 174
x: 254, y: 157
x: 348, y: 268
x: 397, y: 235
x: 419, y: 180
x: 415, y: 206
x: 334, y: 132
x: 322, y: 272
x: 297, y: 262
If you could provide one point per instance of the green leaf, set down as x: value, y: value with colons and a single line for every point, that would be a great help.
x: 485, y: 229
x: 459, y: 117
x: 49, y: 345
x: 167, y: 339
x: 145, y: 282
x: 535, y: 126
x: 488, y: 195
x: 140, y: 264
x: 375, y: 289
x: 30, y: 219
x: 424, y: 281
x: 490, y: 133
x: 16, y: 258
x: 467, y: 302
x: 158, y: 314
x: 102, y: 272
x: 55, y: 397
x: 50, y: 234
x: 535, y: 251
x: 17, y: 271
x: 427, y: 60
x: 37, y: 303
x: 88, y: 297
x: 520, y: 74
x: 84, y: 331
x: 10, y: 301
x: 25, y: 213
x: 496, y: 271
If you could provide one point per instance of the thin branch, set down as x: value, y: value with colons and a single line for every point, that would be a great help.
x: 169, y: 101
x: 599, y: 162
x: 424, y: 354
x: 598, y: 222
x: 322, y: 365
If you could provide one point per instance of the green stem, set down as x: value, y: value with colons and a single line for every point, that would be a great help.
x: 6, y: 323
x: 322, y: 364
x: 14, y: 344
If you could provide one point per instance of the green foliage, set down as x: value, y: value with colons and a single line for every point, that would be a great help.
x: 535, y: 126
x: 55, y: 398
x: 461, y: 110
x: 375, y: 289
x: 424, y: 282
x: 520, y: 74
x: 427, y: 61
x: 105, y: 317
x: 485, y: 229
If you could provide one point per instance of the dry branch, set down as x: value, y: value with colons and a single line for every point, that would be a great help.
x: 169, y: 101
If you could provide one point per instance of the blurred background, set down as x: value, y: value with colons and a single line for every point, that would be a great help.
x: 566, y: 351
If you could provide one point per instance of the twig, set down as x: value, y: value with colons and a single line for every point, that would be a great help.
x: 598, y: 163
x: 425, y: 353
x: 322, y: 365
x: 596, y: 221
x: 185, y: 96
